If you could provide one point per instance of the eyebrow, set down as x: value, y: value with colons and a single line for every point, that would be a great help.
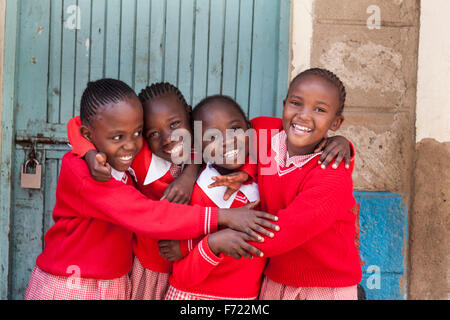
x: 173, y: 117
x: 317, y: 102
x: 321, y: 102
x: 116, y: 132
x: 233, y: 121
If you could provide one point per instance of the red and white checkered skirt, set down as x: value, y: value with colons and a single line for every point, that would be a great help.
x: 271, y: 290
x: 147, y: 284
x: 46, y: 286
x: 175, y: 294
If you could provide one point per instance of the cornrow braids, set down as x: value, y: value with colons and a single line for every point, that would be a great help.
x: 221, y: 98
x: 159, y: 89
x: 328, y: 76
x: 101, y: 93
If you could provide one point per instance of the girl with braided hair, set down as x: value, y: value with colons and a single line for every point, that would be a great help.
x: 88, y: 252
x: 314, y: 255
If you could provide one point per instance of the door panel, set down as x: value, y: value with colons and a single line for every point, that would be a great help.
x: 235, y: 47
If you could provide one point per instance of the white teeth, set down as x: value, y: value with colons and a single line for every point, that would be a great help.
x: 231, y: 154
x: 301, y: 128
x: 176, y: 149
x: 127, y: 158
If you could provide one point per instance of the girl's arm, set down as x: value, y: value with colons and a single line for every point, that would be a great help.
x: 122, y: 204
x: 99, y: 168
x: 80, y: 145
x: 209, y: 253
x: 232, y: 181
x: 336, y: 147
x: 180, y: 190
x: 325, y: 198
x: 196, y: 266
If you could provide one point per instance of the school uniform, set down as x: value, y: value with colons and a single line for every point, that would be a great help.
x: 313, y: 256
x: 90, y: 242
x: 201, y: 275
x: 150, y: 272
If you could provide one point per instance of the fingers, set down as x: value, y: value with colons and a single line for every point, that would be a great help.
x: 267, y: 224
x: 246, y: 250
x: 328, y: 155
x: 321, y: 145
x: 175, y: 196
x: 266, y: 215
x: 252, y: 205
x: 250, y: 251
x: 101, y: 158
x: 260, y: 230
x: 219, y: 181
x: 228, y: 193
x: 338, y: 160
x: 348, y: 159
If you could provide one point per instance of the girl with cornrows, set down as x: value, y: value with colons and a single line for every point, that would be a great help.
x: 165, y: 110
x: 88, y: 251
x: 313, y: 256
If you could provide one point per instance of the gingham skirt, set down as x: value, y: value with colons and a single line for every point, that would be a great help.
x: 271, y: 290
x: 147, y: 284
x: 46, y: 286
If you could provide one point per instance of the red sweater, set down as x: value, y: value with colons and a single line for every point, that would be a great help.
x: 94, y: 222
x: 146, y: 248
x: 153, y: 177
x: 207, y: 276
x: 315, y: 245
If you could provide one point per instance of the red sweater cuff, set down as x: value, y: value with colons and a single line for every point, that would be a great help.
x: 184, y: 247
x: 211, y: 219
x: 80, y: 145
x: 207, y: 254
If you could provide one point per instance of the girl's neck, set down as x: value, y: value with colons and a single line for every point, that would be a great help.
x: 222, y: 171
x: 298, y: 151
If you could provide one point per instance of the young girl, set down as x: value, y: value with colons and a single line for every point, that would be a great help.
x: 203, y: 273
x: 313, y: 256
x: 165, y: 110
x: 88, y: 250
x: 209, y: 271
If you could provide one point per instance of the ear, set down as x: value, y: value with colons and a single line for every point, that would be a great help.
x: 189, y: 109
x: 86, y: 132
x: 284, y: 103
x: 337, y: 123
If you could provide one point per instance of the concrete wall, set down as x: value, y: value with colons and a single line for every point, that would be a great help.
x: 373, y: 46
x: 430, y: 221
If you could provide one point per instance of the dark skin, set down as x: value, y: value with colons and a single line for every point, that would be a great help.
x: 319, y: 116
x: 162, y: 116
x: 116, y: 131
x: 161, y: 119
x: 228, y: 156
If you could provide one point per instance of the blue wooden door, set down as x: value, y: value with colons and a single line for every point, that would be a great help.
x: 54, y: 47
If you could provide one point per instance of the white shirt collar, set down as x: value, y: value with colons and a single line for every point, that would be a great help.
x: 216, y: 194
x: 158, y: 169
x: 121, y: 176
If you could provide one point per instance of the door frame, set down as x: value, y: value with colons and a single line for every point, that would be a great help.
x: 300, y: 37
x: 9, y: 22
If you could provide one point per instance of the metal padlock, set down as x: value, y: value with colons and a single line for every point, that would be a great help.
x: 31, y: 180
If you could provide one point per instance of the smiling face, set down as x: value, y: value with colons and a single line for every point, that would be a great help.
x: 227, y: 147
x: 310, y: 110
x: 116, y: 131
x: 164, y: 115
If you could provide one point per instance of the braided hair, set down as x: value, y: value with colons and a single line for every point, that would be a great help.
x: 101, y: 93
x: 219, y: 98
x: 160, y: 89
x: 328, y: 76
